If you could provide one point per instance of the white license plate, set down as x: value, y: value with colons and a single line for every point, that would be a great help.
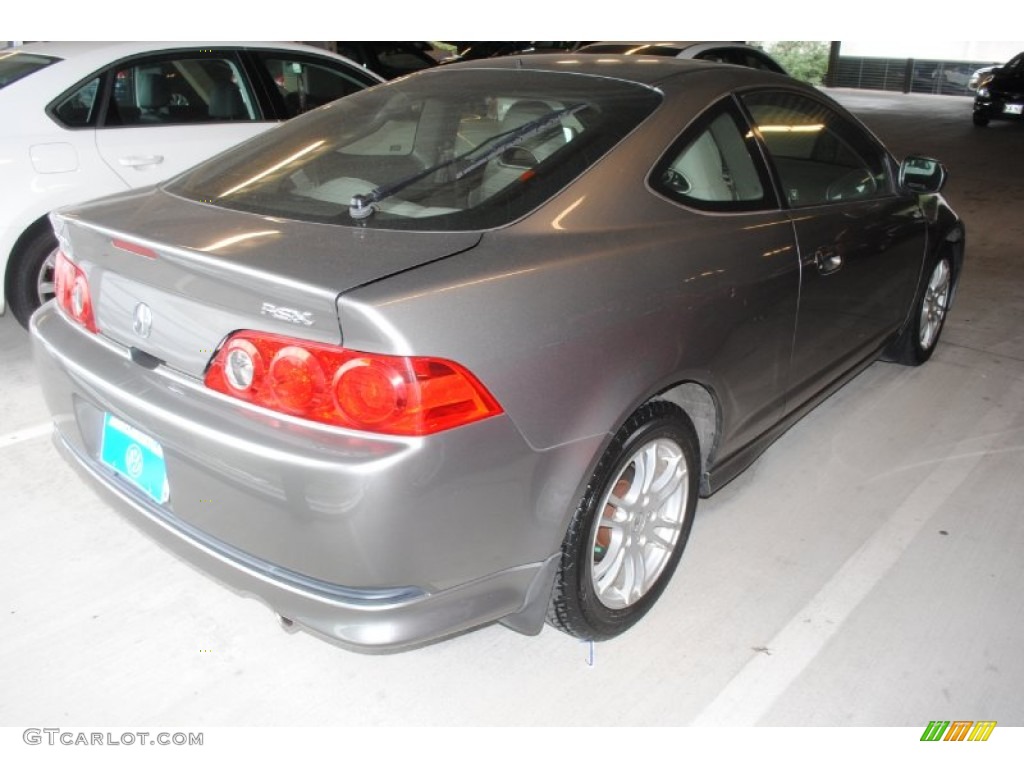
x: 1013, y: 109
x: 135, y: 456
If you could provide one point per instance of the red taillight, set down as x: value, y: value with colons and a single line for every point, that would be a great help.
x: 136, y: 248
x: 370, y: 391
x: 374, y: 393
x: 71, y: 288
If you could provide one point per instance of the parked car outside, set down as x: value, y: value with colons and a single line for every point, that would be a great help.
x: 1000, y: 94
x: 401, y: 368
x: 82, y: 120
x: 740, y: 54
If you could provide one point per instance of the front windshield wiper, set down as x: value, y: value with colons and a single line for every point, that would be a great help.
x: 361, y: 206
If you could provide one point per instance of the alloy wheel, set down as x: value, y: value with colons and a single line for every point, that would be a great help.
x: 936, y: 301
x: 45, y: 280
x: 644, y: 512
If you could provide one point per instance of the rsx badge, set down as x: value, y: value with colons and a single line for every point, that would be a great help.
x: 287, y: 314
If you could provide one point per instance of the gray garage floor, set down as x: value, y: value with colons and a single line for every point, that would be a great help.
x: 867, y: 570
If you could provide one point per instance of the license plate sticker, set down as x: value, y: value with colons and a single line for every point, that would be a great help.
x: 136, y: 456
x: 1013, y: 109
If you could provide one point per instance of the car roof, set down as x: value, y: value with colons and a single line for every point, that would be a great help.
x: 75, y: 48
x: 644, y: 70
x: 89, y: 56
x: 680, y: 45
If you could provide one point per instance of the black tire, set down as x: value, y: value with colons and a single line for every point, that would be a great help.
x: 980, y: 120
x: 30, y: 275
x: 918, y: 341
x: 644, y: 532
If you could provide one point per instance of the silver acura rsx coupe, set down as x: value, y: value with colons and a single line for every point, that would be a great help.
x: 467, y: 347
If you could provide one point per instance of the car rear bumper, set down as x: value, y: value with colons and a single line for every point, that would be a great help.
x: 360, y: 619
x: 377, y: 544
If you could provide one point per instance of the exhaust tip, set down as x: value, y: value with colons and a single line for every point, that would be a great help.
x: 287, y: 624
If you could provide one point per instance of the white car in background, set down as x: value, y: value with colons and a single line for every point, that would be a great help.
x: 83, y: 120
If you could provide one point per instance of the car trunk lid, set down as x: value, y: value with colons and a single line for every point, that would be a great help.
x: 172, y: 278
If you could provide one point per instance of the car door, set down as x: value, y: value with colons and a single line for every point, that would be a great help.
x: 165, y: 113
x: 742, y: 240
x: 861, y: 244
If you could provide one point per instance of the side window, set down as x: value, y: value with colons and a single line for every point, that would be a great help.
x: 713, y: 168
x: 820, y: 157
x: 181, y: 89
x: 80, y: 108
x: 303, y: 83
x: 716, y: 55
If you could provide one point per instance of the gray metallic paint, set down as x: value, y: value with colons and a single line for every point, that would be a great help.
x: 572, y: 317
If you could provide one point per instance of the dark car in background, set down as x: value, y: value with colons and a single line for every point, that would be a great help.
x: 980, y: 76
x: 471, y: 51
x: 408, y: 365
x: 740, y: 54
x: 389, y: 60
x: 1000, y: 93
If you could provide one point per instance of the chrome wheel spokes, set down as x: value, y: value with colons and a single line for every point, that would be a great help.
x: 936, y: 301
x: 644, y: 511
x: 44, y: 280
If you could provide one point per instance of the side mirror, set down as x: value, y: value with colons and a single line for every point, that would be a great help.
x: 922, y: 174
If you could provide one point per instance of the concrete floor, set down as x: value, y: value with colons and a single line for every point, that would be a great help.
x: 867, y: 570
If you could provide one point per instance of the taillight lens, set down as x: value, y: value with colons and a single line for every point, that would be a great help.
x: 333, y: 385
x: 71, y: 288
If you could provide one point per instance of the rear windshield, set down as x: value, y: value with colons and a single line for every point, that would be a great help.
x: 15, y: 65
x: 443, y: 150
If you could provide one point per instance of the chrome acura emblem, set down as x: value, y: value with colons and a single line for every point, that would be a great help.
x: 142, y: 320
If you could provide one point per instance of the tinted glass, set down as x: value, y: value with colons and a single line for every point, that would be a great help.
x: 181, y: 89
x: 80, y: 108
x: 445, y: 150
x: 714, y: 168
x: 819, y: 156
x: 304, y: 83
x: 15, y: 65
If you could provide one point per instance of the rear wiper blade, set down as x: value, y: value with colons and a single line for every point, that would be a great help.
x: 361, y: 206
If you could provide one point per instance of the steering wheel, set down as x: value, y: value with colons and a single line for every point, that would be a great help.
x: 852, y: 185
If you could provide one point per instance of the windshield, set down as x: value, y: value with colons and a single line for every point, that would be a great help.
x: 15, y: 65
x: 1015, y: 63
x: 444, y: 150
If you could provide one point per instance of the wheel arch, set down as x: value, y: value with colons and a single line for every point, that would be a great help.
x: 948, y: 234
x: 38, y: 226
x: 954, y: 243
x: 701, y: 406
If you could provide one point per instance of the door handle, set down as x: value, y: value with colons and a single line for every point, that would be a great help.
x: 140, y: 161
x: 828, y: 260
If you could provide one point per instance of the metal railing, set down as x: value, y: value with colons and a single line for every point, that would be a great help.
x: 905, y: 75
